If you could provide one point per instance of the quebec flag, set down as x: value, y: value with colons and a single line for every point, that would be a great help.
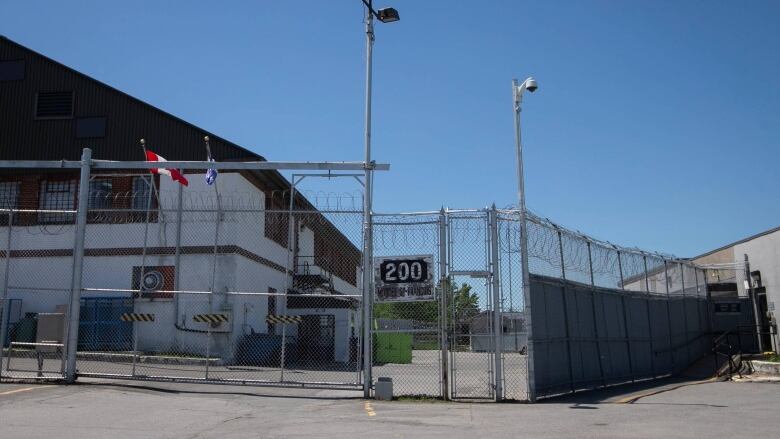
x: 211, y: 174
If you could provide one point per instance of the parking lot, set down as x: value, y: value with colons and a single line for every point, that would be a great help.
x: 95, y: 409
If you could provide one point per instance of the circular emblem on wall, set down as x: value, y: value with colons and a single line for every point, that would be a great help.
x: 152, y: 281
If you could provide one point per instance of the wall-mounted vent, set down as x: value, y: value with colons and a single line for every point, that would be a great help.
x: 54, y: 105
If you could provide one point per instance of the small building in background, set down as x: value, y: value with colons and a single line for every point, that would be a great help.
x: 750, y: 264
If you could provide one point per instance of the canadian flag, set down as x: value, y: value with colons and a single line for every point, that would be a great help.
x: 173, y: 173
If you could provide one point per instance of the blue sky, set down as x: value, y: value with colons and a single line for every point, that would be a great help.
x: 656, y: 124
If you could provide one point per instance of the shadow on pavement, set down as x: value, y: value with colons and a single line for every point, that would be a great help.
x: 189, y: 389
x: 703, y: 371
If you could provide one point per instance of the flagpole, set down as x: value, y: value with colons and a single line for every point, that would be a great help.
x: 143, y: 254
x: 146, y: 224
x: 216, y: 230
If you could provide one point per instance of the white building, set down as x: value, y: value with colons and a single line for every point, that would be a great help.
x: 52, y: 112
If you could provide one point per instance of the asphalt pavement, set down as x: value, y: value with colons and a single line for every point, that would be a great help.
x: 131, y: 409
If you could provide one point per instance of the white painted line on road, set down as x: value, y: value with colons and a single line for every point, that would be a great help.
x: 26, y: 389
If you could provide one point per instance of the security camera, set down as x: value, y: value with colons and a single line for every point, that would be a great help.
x: 531, y: 85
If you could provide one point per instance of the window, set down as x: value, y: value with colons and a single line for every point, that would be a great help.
x: 142, y: 187
x: 12, y: 70
x: 54, y: 105
x: 90, y: 127
x: 9, y: 199
x: 100, y: 194
x: 57, y: 195
x: 9, y: 195
x: 139, y: 199
x: 101, y: 198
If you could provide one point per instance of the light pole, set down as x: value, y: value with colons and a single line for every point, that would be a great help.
x: 386, y: 15
x: 517, y: 93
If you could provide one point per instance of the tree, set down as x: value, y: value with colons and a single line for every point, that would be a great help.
x: 465, y: 303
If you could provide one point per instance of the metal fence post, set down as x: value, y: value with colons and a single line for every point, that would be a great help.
x: 625, y: 320
x: 527, y: 312
x: 444, y: 287
x: 4, y: 300
x: 498, y: 346
x: 78, y: 266
x: 669, y: 316
x: 593, y: 310
x: 177, y: 262
x: 685, y: 315
x: 289, y: 281
x: 566, y: 311
x: 699, y: 350
x: 367, y: 298
x: 649, y: 320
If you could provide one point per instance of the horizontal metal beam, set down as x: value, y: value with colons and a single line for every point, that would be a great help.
x: 256, y: 166
x: 470, y: 273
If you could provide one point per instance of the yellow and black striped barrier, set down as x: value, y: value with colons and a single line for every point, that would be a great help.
x: 136, y: 317
x: 283, y: 319
x: 210, y: 318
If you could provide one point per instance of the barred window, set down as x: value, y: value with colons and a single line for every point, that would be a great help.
x: 100, y: 194
x: 57, y: 195
x: 9, y: 195
x: 142, y: 187
x: 9, y: 199
x: 139, y: 201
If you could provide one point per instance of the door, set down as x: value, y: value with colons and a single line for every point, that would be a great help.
x: 316, y: 339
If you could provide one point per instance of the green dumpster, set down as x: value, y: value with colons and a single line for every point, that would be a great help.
x: 393, y: 348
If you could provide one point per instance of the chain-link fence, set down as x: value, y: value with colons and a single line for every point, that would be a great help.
x: 234, y: 283
x: 220, y: 289
x: 228, y: 283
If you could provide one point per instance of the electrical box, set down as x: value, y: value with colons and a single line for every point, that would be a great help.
x: 51, y: 329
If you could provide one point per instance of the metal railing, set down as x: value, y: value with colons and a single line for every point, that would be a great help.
x: 726, y: 351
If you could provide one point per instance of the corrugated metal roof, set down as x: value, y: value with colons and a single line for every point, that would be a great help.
x: 128, y: 119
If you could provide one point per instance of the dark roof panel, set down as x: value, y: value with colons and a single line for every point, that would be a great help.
x: 128, y: 119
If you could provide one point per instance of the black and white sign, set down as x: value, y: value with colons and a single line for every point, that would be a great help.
x: 403, y: 278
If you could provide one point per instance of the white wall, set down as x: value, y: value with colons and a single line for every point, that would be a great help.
x: 764, y: 256
x: 234, y: 273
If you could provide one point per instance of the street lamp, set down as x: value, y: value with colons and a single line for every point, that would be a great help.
x: 517, y: 93
x: 386, y: 15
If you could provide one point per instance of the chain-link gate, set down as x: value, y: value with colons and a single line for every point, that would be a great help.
x: 472, y: 306
x: 32, y: 345
x: 408, y: 336
x: 449, y: 347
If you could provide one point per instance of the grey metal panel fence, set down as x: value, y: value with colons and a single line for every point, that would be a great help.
x: 605, y: 315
